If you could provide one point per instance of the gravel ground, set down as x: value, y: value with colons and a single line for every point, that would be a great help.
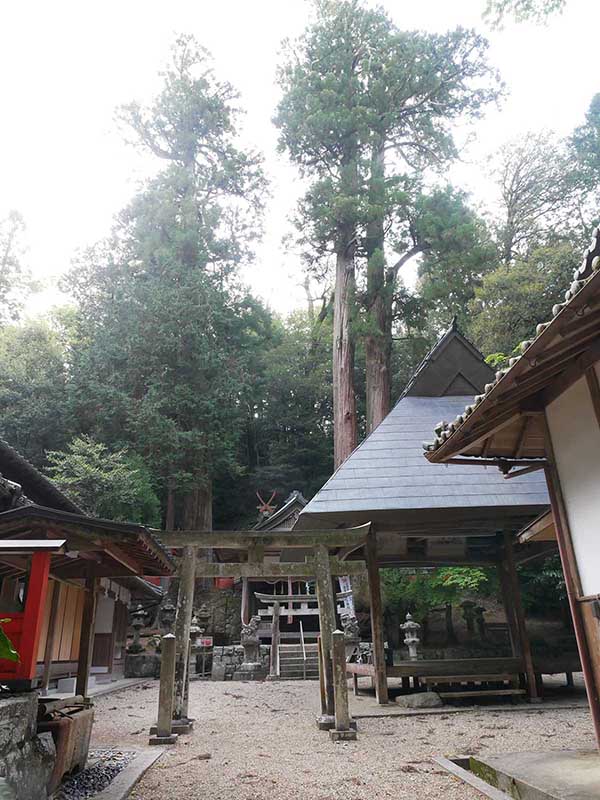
x: 258, y: 741
x: 103, y: 765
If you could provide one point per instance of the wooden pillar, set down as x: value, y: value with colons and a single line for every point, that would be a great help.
x: 183, y: 624
x: 245, y: 602
x: 322, y: 693
x: 340, y: 683
x: 513, y: 633
x: 519, y: 618
x: 380, y: 679
x: 164, y: 723
x: 326, y: 619
x: 274, y: 661
x: 573, y: 585
x: 50, y: 637
x: 86, y: 640
x: 35, y: 603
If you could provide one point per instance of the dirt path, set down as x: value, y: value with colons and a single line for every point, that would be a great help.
x: 264, y: 745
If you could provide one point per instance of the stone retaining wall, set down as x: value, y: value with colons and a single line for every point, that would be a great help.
x: 26, y: 759
x: 227, y: 660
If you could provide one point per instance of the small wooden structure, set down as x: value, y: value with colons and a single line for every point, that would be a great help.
x: 425, y: 515
x: 23, y: 627
x: 93, y: 550
x: 23, y: 487
x: 542, y: 415
x: 291, y: 617
x: 255, y: 555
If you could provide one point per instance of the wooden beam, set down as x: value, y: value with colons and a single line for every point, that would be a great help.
x: 326, y: 620
x: 525, y: 470
x: 50, y: 637
x: 183, y: 623
x: 301, y: 569
x: 116, y: 553
x: 525, y: 644
x: 572, y: 582
x: 594, y: 387
x: 247, y: 540
x: 381, y: 687
x: 507, y: 462
x: 522, y: 435
x: 27, y: 546
x: 86, y: 640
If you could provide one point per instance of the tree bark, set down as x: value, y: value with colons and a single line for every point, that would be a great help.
x: 378, y: 342
x: 344, y: 397
x: 197, y: 515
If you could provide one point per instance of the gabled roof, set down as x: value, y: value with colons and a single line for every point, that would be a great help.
x: 453, y: 366
x: 504, y: 421
x: 285, y: 517
x: 386, y: 480
x: 122, y: 548
x: 35, y: 486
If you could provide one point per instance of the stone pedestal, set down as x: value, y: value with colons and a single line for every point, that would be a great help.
x: 142, y: 665
x: 251, y: 671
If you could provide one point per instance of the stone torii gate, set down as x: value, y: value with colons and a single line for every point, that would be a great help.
x: 252, y: 554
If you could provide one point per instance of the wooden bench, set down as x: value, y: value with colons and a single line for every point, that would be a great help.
x: 479, y: 685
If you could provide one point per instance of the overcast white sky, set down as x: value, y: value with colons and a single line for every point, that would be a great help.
x: 66, y: 65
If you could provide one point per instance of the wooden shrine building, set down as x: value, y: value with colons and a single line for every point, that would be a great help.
x: 426, y: 515
x: 541, y: 417
x: 74, y: 597
x: 298, y: 617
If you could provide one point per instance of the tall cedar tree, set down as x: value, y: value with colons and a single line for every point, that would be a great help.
x: 163, y: 320
x: 365, y: 109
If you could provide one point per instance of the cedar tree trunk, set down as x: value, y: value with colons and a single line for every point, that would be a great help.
x: 344, y: 398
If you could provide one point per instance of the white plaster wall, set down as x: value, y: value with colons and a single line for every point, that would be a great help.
x: 575, y: 436
x: 105, y: 611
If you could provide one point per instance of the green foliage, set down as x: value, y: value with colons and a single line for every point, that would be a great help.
x: 541, y: 194
x: 522, y: 10
x: 34, y: 398
x: 420, y: 591
x: 15, y: 281
x: 7, y: 650
x: 366, y: 109
x: 458, y: 252
x: 543, y: 587
x: 110, y: 484
x: 513, y: 299
x: 287, y: 440
x: 164, y: 323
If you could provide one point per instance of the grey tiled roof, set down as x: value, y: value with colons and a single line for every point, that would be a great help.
x: 387, y: 472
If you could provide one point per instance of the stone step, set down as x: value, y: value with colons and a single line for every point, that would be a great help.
x: 299, y: 676
x: 296, y: 648
x: 313, y: 658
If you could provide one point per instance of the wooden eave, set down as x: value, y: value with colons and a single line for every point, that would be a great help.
x: 102, y: 547
x: 507, y: 426
x: 541, y: 529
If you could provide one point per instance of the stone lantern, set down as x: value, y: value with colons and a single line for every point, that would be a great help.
x: 203, y: 615
x: 138, y: 621
x: 411, y: 636
x: 195, y: 632
x: 166, y: 616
